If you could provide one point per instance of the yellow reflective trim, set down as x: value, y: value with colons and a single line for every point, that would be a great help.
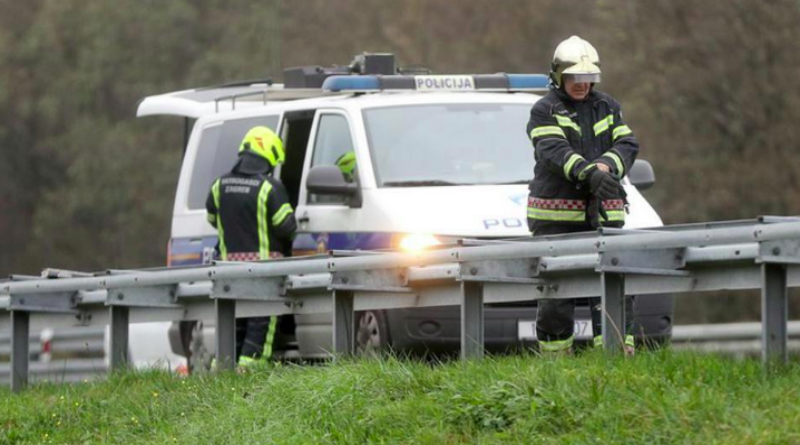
x: 556, y: 345
x: 615, y: 215
x: 557, y: 215
x: 586, y: 170
x: 620, y: 131
x: 211, y: 218
x: 571, y: 163
x: 273, y: 327
x: 598, y: 341
x: 567, y: 123
x: 548, y: 130
x: 223, y: 249
x: 281, y: 214
x: 263, y: 230
x: 246, y: 361
x: 617, y: 161
x: 603, y: 125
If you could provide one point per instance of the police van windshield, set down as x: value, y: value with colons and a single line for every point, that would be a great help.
x: 450, y: 144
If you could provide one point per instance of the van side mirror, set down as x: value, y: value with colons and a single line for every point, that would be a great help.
x: 642, y: 174
x: 328, y: 180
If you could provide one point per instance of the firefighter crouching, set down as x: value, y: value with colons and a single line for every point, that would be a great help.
x: 583, y: 148
x: 250, y: 210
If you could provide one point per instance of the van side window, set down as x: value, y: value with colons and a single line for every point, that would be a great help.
x: 333, y: 146
x: 218, y: 150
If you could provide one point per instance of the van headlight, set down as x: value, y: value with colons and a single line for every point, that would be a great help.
x: 414, y: 242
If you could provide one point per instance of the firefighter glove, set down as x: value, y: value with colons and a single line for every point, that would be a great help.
x: 595, y: 213
x: 603, y: 186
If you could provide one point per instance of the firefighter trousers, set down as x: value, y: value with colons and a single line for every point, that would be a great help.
x: 555, y: 319
x: 255, y: 336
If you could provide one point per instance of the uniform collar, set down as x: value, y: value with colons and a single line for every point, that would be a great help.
x: 251, y: 164
x: 564, y: 97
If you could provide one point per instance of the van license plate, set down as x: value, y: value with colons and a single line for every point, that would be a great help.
x: 526, y: 329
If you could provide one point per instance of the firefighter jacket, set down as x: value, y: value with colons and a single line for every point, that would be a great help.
x: 252, y: 215
x: 569, y: 139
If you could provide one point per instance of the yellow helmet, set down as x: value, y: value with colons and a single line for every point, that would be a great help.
x: 347, y: 163
x: 575, y: 57
x: 265, y: 143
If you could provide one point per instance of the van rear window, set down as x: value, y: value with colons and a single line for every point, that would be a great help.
x: 217, y: 153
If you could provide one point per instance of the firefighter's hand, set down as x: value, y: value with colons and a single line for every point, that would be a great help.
x: 595, y: 213
x: 603, y: 186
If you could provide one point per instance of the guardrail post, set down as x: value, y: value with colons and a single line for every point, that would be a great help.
x: 343, y: 324
x: 226, y: 333
x: 774, y: 313
x: 20, y: 330
x: 119, y: 337
x: 613, y: 307
x: 471, y: 320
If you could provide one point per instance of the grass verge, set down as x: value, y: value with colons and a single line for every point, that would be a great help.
x: 661, y: 397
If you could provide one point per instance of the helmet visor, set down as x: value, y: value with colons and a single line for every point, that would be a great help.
x: 583, y: 78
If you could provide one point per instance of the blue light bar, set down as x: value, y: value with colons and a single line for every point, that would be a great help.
x: 527, y: 81
x: 481, y: 82
x: 351, y: 83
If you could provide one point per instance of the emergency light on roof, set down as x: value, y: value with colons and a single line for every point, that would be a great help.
x: 481, y: 82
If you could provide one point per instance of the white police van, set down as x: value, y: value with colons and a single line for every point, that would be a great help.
x: 437, y: 158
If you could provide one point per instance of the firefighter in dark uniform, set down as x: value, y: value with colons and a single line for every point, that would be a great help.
x: 583, y: 148
x: 250, y: 210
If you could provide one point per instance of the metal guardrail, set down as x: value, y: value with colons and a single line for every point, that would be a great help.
x: 736, y: 339
x: 64, y: 341
x: 5, y: 344
x: 60, y: 355
x: 755, y: 254
x: 61, y: 371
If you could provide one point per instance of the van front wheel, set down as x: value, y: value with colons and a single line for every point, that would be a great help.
x: 372, y: 334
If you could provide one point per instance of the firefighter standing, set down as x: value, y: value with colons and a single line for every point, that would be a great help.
x: 250, y: 210
x: 582, y: 149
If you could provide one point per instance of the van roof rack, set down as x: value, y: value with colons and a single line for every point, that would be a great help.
x: 275, y: 92
x: 238, y: 83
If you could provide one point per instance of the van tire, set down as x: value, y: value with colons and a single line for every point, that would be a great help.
x: 372, y: 333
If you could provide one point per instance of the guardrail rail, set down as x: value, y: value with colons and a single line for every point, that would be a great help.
x: 752, y: 254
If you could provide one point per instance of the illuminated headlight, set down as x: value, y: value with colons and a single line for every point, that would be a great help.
x: 414, y: 242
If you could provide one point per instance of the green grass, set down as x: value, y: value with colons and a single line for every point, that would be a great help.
x: 654, y: 398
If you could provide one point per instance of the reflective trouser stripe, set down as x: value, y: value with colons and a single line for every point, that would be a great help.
x: 598, y: 341
x: 556, y: 345
x: 223, y: 249
x: 263, y: 226
x: 270, y: 338
x: 247, y: 361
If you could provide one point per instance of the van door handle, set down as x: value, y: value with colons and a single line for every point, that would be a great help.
x: 302, y: 222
